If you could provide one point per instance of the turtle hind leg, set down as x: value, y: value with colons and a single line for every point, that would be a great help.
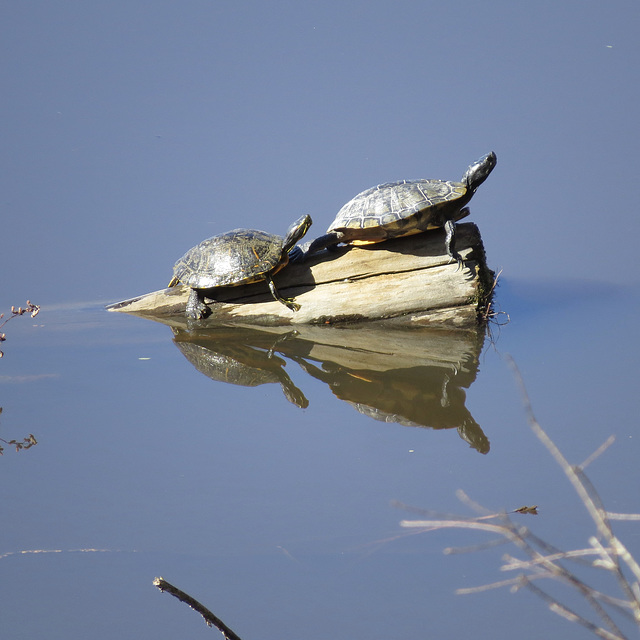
x: 328, y: 240
x: 450, y: 242
x: 196, y: 307
x: 287, y: 302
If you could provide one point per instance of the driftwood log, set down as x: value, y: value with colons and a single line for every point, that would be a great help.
x: 408, y: 281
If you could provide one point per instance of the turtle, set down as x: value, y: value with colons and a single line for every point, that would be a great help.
x: 397, y: 209
x: 240, y: 256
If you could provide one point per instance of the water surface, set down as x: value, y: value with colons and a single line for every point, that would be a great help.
x: 134, y: 130
x: 280, y: 518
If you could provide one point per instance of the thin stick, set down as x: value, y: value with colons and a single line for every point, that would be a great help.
x: 587, y: 494
x: 570, y: 615
x: 623, y: 516
x: 210, y: 619
x: 598, y: 452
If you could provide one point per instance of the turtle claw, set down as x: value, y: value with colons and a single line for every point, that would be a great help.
x: 455, y: 256
x: 197, y: 309
x: 290, y: 303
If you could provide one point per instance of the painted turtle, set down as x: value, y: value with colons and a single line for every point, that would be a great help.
x: 406, y: 207
x: 237, y: 257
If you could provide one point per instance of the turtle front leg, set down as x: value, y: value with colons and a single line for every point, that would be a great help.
x: 296, y: 254
x: 450, y: 242
x: 287, y: 302
x: 196, y: 307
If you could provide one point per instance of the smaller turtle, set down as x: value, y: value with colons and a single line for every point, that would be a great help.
x: 237, y: 257
x: 397, y: 209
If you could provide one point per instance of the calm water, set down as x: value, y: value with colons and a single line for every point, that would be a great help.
x: 132, y: 131
x: 280, y: 518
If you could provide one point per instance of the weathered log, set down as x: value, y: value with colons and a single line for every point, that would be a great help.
x: 409, y: 281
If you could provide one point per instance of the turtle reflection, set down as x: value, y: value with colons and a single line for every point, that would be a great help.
x: 225, y: 355
x: 410, y: 377
x: 422, y: 396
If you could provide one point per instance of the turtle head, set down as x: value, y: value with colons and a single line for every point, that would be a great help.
x: 479, y: 171
x: 296, y: 231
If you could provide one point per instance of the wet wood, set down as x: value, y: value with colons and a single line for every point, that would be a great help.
x: 408, y: 281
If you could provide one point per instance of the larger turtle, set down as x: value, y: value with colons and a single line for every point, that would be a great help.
x: 396, y: 209
x: 237, y: 257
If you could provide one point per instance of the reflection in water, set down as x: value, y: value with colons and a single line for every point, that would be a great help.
x: 416, y: 396
x: 410, y: 377
x: 225, y: 355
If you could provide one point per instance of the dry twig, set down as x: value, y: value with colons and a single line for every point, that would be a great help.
x: 210, y: 619
x: 30, y: 308
x: 544, y: 560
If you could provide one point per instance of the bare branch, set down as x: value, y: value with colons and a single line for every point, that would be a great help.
x: 210, y: 619
x: 598, y: 452
x: 623, y: 516
x: 545, y: 561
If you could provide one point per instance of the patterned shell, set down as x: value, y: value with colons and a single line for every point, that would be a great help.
x: 237, y: 257
x: 393, y: 203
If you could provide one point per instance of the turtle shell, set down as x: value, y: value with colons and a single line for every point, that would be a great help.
x: 237, y: 257
x: 400, y: 208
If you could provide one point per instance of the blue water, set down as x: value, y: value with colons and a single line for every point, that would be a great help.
x: 280, y: 519
x: 132, y: 131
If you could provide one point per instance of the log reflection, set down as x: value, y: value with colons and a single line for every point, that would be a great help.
x: 408, y: 377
